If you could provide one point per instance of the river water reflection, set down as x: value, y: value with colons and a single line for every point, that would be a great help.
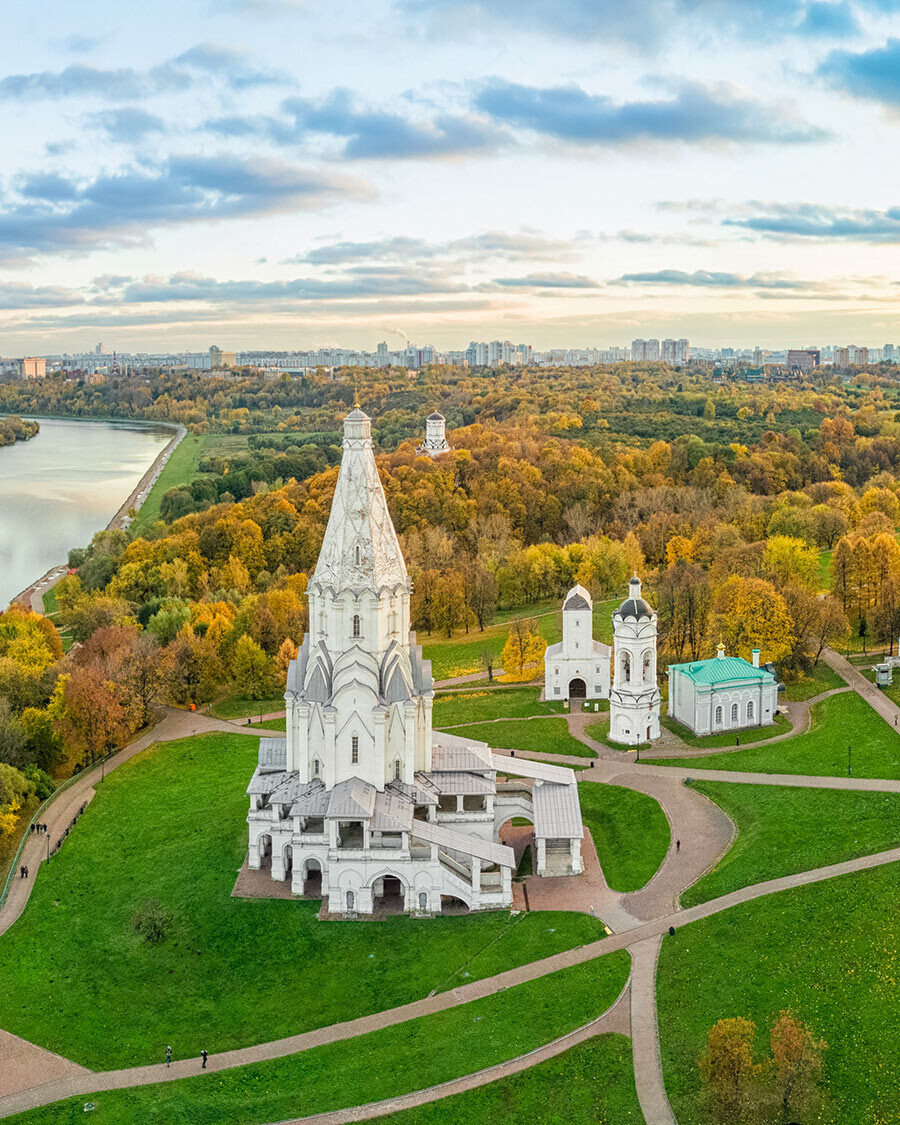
x: 59, y: 488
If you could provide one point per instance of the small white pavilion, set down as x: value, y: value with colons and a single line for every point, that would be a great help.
x: 435, y: 442
x: 578, y: 666
x: 722, y: 694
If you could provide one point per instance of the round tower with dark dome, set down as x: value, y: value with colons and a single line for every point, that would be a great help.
x: 634, y: 698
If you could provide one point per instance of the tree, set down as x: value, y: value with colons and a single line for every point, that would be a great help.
x: 253, y: 671
x: 283, y: 658
x: 842, y: 572
x: 684, y: 599
x: 752, y: 614
x: 488, y: 660
x: 832, y: 625
x: 96, y: 716
x: 43, y: 744
x: 523, y: 652
x: 481, y: 589
x: 727, y: 1067
x: 791, y: 562
x: 449, y: 608
x: 796, y: 1063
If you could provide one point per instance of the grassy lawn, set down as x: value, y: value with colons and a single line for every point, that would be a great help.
x: 782, y: 830
x: 892, y: 692
x: 239, y: 707
x: 455, y: 708
x: 270, y: 724
x: 461, y: 653
x: 170, y: 825
x: 752, y: 734
x: 544, y: 736
x: 630, y: 833
x: 819, y: 679
x: 838, y: 722
x: 591, y: 1084
x: 379, y: 1065
x: 830, y: 952
x: 181, y: 468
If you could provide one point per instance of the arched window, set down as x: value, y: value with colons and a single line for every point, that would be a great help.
x: 356, y: 550
x: 647, y: 661
x: 351, y: 900
x: 626, y: 667
x: 354, y: 749
x: 734, y: 712
x: 749, y: 710
x: 356, y: 626
x: 397, y: 770
x: 718, y: 716
x: 315, y: 767
x: 423, y: 900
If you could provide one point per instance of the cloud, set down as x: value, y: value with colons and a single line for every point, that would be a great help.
x: 375, y: 133
x: 23, y: 296
x: 59, y: 215
x: 809, y: 220
x: 127, y: 125
x: 872, y: 75
x: 695, y: 113
x: 642, y: 23
x: 714, y: 280
x: 488, y: 246
x: 230, y: 63
x: 547, y: 281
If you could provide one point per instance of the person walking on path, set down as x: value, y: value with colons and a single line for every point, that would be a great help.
x: 677, y: 846
x: 168, y: 1056
x: 204, y: 1055
x: 22, y: 871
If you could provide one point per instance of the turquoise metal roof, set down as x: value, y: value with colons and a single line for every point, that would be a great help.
x: 721, y: 670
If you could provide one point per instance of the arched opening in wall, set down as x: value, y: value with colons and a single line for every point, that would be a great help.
x: 452, y: 905
x: 735, y: 713
x: 646, y: 665
x: 350, y: 902
x: 388, y: 893
x: 288, y: 860
x: 626, y: 667
x: 312, y: 880
x: 718, y: 717
x: 518, y: 833
x: 357, y: 627
x: 750, y: 712
x: 577, y: 689
x: 265, y: 852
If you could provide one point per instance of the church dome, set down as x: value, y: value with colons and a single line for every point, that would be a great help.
x: 634, y: 605
x: 435, y: 417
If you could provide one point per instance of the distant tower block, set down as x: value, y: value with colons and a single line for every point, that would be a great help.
x: 435, y: 442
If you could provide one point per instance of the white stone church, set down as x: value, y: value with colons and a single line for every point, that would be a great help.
x: 361, y: 803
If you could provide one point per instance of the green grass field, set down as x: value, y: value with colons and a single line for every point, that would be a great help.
x: 591, y: 1084
x: 629, y: 830
x: 181, y: 468
x: 461, y: 654
x: 544, y: 736
x: 456, y: 708
x: 829, y: 951
x: 820, y: 678
x: 170, y: 824
x: 239, y: 707
x: 270, y: 724
x: 781, y: 725
x: 839, y: 722
x: 782, y: 830
x: 379, y: 1065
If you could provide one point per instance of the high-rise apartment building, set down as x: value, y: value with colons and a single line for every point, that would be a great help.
x: 651, y: 351
x: 802, y: 359
x: 31, y: 367
x: 638, y: 350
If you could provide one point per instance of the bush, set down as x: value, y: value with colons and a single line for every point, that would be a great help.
x: 152, y: 921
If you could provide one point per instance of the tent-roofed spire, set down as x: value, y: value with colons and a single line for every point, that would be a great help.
x: 360, y: 549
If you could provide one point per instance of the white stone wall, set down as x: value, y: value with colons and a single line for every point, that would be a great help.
x: 695, y: 705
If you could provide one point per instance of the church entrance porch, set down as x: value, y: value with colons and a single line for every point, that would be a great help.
x: 388, y: 895
x: 312, y: 879
x: 577, y: 689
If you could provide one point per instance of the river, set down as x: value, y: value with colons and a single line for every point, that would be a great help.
x: 60, y: 487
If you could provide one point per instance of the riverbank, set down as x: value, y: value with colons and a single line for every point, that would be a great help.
x: 33, y: 595
x: 13, y: 429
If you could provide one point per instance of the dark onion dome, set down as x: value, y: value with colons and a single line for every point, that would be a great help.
x: 435, y: 417
x: 634, y: 607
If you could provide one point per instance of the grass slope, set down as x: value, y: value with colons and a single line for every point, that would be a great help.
x: 455, y: 708
x: 830, y: 951
x: 630, y: 832
x: 591, y: 1084
x: 545, y: 736
x: 783, y: 830
x: 837, y: 722
x: 819, y: 679
x: 781, y: 725
x: 240, y: 707
x: 171, y: 824
x: 181, y: 468
x: 395, y: 1060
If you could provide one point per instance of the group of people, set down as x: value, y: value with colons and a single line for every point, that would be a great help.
x: 204, y: 1055
x: 40, y: 829
x: 23, y: 872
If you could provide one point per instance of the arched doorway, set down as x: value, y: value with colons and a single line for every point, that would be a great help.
x: 577, y: 689
x: 265, y: 852
x: 288, y: 860
x: 388, y: 893
x: 312, y: 881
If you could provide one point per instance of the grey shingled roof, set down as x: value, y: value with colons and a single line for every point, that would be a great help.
x: 262, y: 783
x: 353, y: 799
x: 423, y: 792
x: 462, y: 784
x: 462, y: 842
x: 557, y: 813
x: 393, y: 813
x: 272, y: 753
x: 453, y: 753
x: 576, y: 602
x: 288, y: 790
x: 313, y: 801
x: 543, y: 771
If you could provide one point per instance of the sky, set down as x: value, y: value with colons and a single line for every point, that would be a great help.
x: 296, y: 174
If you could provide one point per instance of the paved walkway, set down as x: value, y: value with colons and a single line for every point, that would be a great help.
x: 877, y: 700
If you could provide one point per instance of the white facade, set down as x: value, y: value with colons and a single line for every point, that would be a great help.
x: 435, y: 442
x: 722, y: 694
x: 578, y: 666
x: 634, y: 698
x: 358, y: 803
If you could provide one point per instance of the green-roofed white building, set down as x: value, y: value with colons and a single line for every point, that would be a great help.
x: 721, y: 694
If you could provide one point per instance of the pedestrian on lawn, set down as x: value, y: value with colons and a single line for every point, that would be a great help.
x: 204, y: 1055
x: 168, y: 1056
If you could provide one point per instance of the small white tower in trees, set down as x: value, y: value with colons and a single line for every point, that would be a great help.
x: 435, y: 442
x: 634, y: 696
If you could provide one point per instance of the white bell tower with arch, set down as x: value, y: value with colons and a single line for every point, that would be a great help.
x: 634, y: 697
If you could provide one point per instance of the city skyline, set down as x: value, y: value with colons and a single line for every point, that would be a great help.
x: 558, y: 174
